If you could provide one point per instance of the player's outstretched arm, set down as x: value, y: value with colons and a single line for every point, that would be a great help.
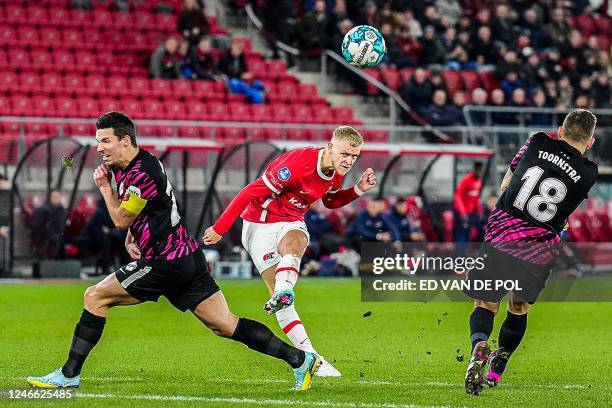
x: 121, y: 217
x: 506, y: 181
x: 341, y: 198
x: 256, y: 189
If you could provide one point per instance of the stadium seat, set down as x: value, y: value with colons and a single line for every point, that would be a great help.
x: 260, y: 113
x: 256, y: 134
x: 42, y: 130
x: 9, y: 82
x: 219, y: 111
x: 79, y: 129
x: 30, y: 82
x: 371, y: 89
x: 197, y: 111
x: 391, y: 78
x: 22, y: 106
x: 302, y: 113
x: 59, y: 17
x: 153, y: 109
x: 240, y: 112
x: 281, y: 113
x: 50, y: 37
x: 276, y: 68
x: 161, y: 88
x: 66, y: 107
x: 42, y: 106
x: 37, y: 15
x: 5, y: 106
x: 585, y: 24
x: 165, y: 21
x: 140, y: 87
x: 323, y: 114
x: 489, y: 80
x: 74, y: 84
x: 95, y: 85
x: 109, y: 104
x: 603, y: 42
x: 15, y: 14
x: 88, y: 108
x: 189, y: 131
x: 42, y: 58
x: 182, y: 89
x: 471, y: 80
x: 604, y: 25
x: 117, y: 85
x: 175, y: 110
x: 277, y: 134
x: 233, y: 135
x: 452, y: 79
x: 8, y: 36
x: 406, y: 74
x: 19, y: 59
x: 52, y: 83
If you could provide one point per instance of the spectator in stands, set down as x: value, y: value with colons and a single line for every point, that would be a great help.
x: 48, y: 224
x: 467, y: 207
x: 192, y: 22
x: 540, y: 118
x: 279, y: 20
x: 386, y: 16
x: 459, y: 59
x: 531, y: 26
x: 101, y: 238
x: 458, y: 103
x: 323, y: 240
x: 451, y: 9
x: 240, y: 81
x: 165, y: 61
x: 601, y: 90
x: 498, y: 99
x: 370, y: 225
x: 573, y: 47
x: 534, y: 73
x: 417, y: 91
x: 502, y: 26
x: 398, y: 216
x: 519, y: 98
x: 510, y: 83
x: 566, y: 92
x: 437, y: 82
x: 233, y: 63
x: 370, y: 12
x: 552, y: 93
x: 479, y: 98
x: 431, y: 17
x: 559, y: 27
x: 484, y: 51
x: 411, y: 47
x: 583, y: 102
x: 311, y: 29
x: 552, y: 64
x: 433, y: 51
x: 439, y: 113
x: 394, y: 56
x: 203, y: 60
x: 408, y: 22
x: 186, y: 61
x: 510, y: 63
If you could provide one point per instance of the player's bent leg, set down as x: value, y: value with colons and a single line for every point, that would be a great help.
x: 215, y: 314
x: 481, y: 326
x: 510, y: 335
x: 97, y: 300
x: 291, y: 248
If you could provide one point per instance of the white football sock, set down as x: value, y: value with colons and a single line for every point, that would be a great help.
x: 289, y: 321
x: 287, y: 272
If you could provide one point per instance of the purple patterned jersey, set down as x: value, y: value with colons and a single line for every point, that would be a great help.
x: 551, y: 179
x: 144, y: 189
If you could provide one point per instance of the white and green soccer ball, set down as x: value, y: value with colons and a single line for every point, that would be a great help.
x: 363, y: 46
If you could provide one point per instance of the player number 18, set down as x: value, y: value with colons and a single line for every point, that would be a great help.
x: 552, y: 192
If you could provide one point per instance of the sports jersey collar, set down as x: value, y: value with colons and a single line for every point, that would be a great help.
x: 140, y: 153
x: 321, y: 174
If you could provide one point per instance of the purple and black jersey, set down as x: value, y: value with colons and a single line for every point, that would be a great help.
x: 551, y: 178
x: 144, y: 189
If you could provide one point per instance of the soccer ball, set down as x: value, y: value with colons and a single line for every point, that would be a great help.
x: 363, y: 46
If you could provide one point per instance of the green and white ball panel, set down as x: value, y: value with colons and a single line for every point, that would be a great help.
x: 363, y: 46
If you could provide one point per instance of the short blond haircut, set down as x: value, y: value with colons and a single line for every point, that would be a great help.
x: 349, y: 134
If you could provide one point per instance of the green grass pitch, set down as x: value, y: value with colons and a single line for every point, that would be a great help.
x: 403, y: 354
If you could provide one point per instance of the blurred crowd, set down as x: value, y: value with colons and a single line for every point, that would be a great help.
x: 540, y: 55
x: 194, y: 54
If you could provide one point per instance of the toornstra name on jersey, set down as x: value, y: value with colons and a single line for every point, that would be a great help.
x: 559, y: 162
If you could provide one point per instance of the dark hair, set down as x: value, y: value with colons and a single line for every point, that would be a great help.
x: 579, y: 125
x: 121, y: 124
x: 478, y: 166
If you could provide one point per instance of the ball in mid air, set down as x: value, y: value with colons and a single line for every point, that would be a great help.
x: 363, y: 46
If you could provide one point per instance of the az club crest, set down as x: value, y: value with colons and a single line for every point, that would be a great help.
x: 284, y: 174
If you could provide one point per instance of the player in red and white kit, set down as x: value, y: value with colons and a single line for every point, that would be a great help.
x: 274, y: 232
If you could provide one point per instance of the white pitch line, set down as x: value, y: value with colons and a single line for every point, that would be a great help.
x: 448, y: 384
x: 265, y: 402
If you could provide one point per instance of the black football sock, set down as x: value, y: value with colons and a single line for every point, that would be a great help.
x: 511, y: 332
x: 258, y: 337
x: 86, y: 335
x: 481, y: 325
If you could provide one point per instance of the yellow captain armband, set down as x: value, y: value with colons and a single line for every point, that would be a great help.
x: 134, y: 203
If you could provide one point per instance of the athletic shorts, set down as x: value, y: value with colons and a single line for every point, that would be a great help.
x: 525, y: 279
x: 185, y: 281
x: 261, y: 240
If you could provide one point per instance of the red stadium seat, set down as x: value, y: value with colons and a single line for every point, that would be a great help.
x: 79, y: 129
x: 161, y: 88
x: 144, y: 21
x: 50, y: 37
x: 52, y: 82
x: 19, y: 59
x: 197, y: 111
x: 343, y: 114
x: 22, y: 106
x: 133, y: 108
x: 5, y: 106
x: 452, y: 79
x: 406, y: 74
x: 175, y: 110
x: 43, y: 106
x: 260, y: 113
x: 9, y: 82
x: 233, y: 134
x: 117, y: 85
x: 604, y: 25
x: 489, y: 80
x: 376, y: 73
x: 74, y: 84
x: 323, y: 114
x: 107, y: 59
x: 603, y: 42
x: 95, y: 85
x: 37, y: 15
x: 277, y: 134
x: 391, y: 77
x: 376, y: 136
x: 281, y: 113
x: 80, y: 18
x: 66, y: 106
x: 308, y: 93
x: 109, y: 104
x: 41, y: 58
x: 302, y: 113
x: 287, y: 91
x: 59, y: 17
x: 30, y: 82
x: 471, y: 80
x: 72, y: 38
x: 256, y: 135
x: 276, y: 68
x: 16, y: 15
x: 240, y: 112
x: 8, y: 36
x: 189, y: 131
x: 140, y: 87
x: 219, y: 111
x: 182, y: 89
x: 42, y: 130
x: 585, y: 24
x: 165, y: 21
x: 101, y: 18
x: 88, y: 108
x: 153, y: 109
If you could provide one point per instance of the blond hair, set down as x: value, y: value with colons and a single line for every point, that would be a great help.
x: 579, y: 125
x: 349, y: 134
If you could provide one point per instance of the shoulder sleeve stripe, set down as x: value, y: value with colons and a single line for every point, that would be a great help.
x: 268, y: 184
